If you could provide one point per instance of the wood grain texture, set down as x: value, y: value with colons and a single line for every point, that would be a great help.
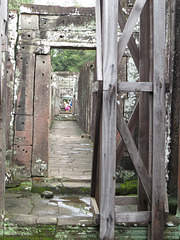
x: 133, y: 217
x: 108, y: 151
x: 178, y: 199
x: 135, y: 86
x: 96, y: 149
x: 126, y: 200
x: 132, y: 44
x: 158, y: 169
x: 95, y: 210
x: 131, y: 125
x: 134, y: 154
x: 144, y: 69
x: 99, y: 39
x: 129, y: 27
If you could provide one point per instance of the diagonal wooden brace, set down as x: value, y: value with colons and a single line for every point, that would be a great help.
x: 134, y: 154
x: 132, y: 44
x: 129, y: 27
x: 131, y: 125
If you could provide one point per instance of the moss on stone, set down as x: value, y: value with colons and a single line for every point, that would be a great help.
x: 127, y: 188
x: 24, y: 187
x: 39, y: 188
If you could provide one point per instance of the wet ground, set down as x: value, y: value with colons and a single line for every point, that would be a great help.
x: 70, y: 160
x: 59, y: 210
x: 29, y: 216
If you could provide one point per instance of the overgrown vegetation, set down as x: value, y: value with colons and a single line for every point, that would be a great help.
x: 70, y: 60
x: 15, y: 4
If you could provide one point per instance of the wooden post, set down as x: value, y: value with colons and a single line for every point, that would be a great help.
x: 108, y: 152
x: 178, y: 193
x: 144, y: 100
x: 158, y: 168
x: 98, y: 97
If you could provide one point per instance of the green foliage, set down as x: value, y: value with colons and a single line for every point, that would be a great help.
x: 70, y: 60
x: 15, y: 4
x: 125, y: 175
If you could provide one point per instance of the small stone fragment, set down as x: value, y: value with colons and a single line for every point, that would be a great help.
x: 47, y: 194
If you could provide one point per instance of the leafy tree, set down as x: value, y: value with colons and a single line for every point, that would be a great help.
x: 70, y: 60
x: 15, y: 4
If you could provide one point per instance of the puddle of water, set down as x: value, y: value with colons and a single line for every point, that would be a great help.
x: 72, y: 206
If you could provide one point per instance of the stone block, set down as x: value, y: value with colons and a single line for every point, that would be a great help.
x: 47, y: 220
x: 57, y: 10
x: 25, y: 83
x: 57, y: 22
x: 75, y: 221
x: 29, y: 22
x: 29, y: 35
x: 23, y: 220
x: 22, y: 157
x: 23, y: 130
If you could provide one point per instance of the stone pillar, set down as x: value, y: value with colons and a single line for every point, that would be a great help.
x: 3, y: 83
x: 40, y: 153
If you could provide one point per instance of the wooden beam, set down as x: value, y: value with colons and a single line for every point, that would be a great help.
x: 96, y: 149
x: 144, y: 69
x: 135, y: 86
x: 99, y: 39
x: 132, y: 44
x: 133, y: 217
x: 158, y: 168
x: 97, y: 86
x: 178, y: 193
x: 126, y: 200
x: 129, y: 27
x: 95, y: 210
x: 108, y: 152
x: 134, y: 154
x: 131, y: 125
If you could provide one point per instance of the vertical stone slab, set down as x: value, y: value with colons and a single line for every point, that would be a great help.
x: 22, y: 157
x: 41, y: 116
x: 23, y: 127
x: 24, y: 83
x: 3, y: 82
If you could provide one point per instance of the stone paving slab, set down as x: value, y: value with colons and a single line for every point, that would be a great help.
x: 54, y: 211
x: 70, y: 155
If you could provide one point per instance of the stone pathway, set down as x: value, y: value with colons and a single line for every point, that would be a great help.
x: 70, y: 155
x: 59, y: 210
x: 70, y: 160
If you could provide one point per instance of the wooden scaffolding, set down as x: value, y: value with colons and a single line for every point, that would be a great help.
x: 149, y: 157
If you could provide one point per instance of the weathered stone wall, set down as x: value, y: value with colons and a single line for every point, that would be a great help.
x: 39, y: 29
x: 62, y: 84
x: 174, y: 76
x: 85, y: 98
x: 3, y: 103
